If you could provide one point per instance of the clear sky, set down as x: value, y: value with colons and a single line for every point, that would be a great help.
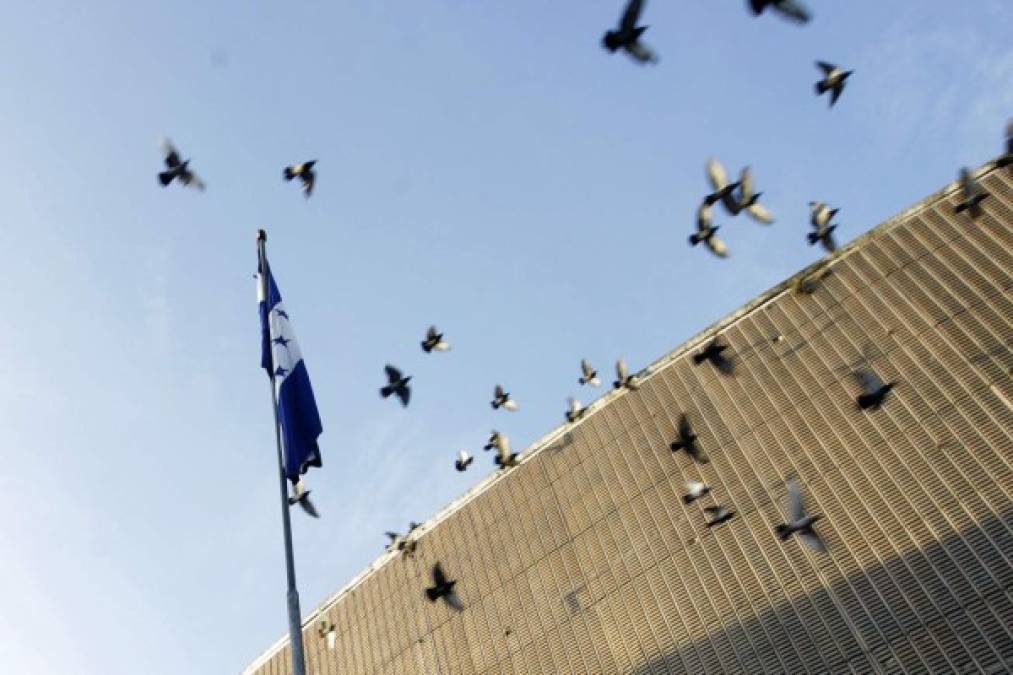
x: 485, y: 166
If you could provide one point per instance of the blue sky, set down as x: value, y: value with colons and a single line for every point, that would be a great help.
x: 484, y: 166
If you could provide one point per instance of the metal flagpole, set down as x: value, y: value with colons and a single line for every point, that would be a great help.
x: 294, y: 614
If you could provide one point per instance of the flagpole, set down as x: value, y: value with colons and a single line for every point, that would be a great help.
x: 294, y: 614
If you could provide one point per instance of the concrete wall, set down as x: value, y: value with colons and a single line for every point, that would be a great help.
x: 585, y: 559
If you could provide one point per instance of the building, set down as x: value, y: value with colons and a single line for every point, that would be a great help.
x: 585, y: 559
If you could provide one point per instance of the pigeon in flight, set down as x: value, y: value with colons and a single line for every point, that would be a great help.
x: 874, y: 390
x: 713, y: 352
x: 305, y: 173
x: 301, y: 496
x: 789, y: 9
x: 493, y: 440
x: 1007, y: 157
x: 694, y: 490
x: 326, y: 630
x: 397, y: 384
x: 588, y: 375
x: 623, y: 377
x: 799, y: 521
x: 405, y: 543
x: 576, y: 410
x: 177, y: 168
x: 748, y: 200
x: 434, y: 341
x: 464, y: 460
x: 687, y: 441
x: 627, y: 36
x: 706, y: 231
x: 820, y: 214
x: 972, y: 192
x: 833, y: 81
x: 718, y: 514
x: 823, y: 234
x: 501, y: 399
x: 504, y: 456
x: 723, y: 190
x: 443, y: 588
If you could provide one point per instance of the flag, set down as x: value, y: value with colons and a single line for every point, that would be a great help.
x: 280, y: 356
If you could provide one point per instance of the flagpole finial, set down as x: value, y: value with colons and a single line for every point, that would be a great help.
x: 261, y: 235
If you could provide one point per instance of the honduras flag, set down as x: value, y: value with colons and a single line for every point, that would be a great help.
x: 280, y: 356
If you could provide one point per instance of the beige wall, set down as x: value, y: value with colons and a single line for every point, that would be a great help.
x: 915, y: 497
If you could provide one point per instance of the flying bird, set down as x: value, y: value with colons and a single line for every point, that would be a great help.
x: 694, y: 490
x: 397, y: 384
x: 724, y: 191
x: 824, y: 234
x: 504, y: 456
x: 748, y: 199
x: 833, y: 81
x: 799, y: 521
x: 789, y: 9
x: 303, y: 172
x: 326, y: 630
x: 301, y: 496
x: 576, y: 410
x: 464, y: 460
x: 820, y: 214
x: 1006, y: 159
x: 493, y: 440
x: 501, y: 399
x: 623, y: 377
x: 443, y: 588
x: 714, y: 352
x: 588, y: 374
x: 434, y: 341
x: 627, y: 36
x: 973, y: 194
x: 807, y: 285
x: 687, y: 441
x: 404, y: 543
x: 177, y: 168
x: 718, y: 514
x: 706, y: 231
x: 874, y: 390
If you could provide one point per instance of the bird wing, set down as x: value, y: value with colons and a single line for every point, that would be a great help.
x: 827, y: 68
x: 393, y: 374
x: 630, y: 16
x: 510, y: 404
x: 308, y: 506
x: 758, y: 6
x: 694, y: 487
x: 586, y: 369
x: 829, y: 242
x: 498, y: 392
x: 308, y: 181
x: 716, y: 511
x: 813, y: 540
x: 790, y: 9
x: 439, y: 578
x: 454, y: 600
x: 392, y: 536
x: 503, y: 445
x: 746, y: 184
x: 868, y: 380
x: 796, y: 508
x: 836, y: 93
x: 432, y: 333
x: 462, y: 455
x: 641, y: 52
x: 697, y: 453
x: 703, y: 216
x: 171, y: 155
x: 193, y: 180
x: 405, y: 394
x: 685, y: 430
x: 622, y: 373
x: 717, y: 247
x: 716, y: 174
x: 760, y: 213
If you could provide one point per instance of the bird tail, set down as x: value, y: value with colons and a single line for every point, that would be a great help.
x: 459, y: 465
x: 783, y: 532
x: 699, y: 358
x: 581, y: 380
x: 386, y: 391
x: 426, y: 348
x: 813, y: 237
x: 432, y: 594
x: 165, y: 177
x: 866, y: 401
x: 495, y: 405
x: 821, y: 87
x: 616, y: 384
x: 694, y: 239
x: 288, y: 174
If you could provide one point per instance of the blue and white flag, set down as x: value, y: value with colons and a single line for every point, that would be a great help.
x: 297, y: 408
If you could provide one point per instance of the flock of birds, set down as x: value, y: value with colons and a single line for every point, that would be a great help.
x: 736, y: 198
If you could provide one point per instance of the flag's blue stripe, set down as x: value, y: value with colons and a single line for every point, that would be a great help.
x: 273, y: 298
x: 300, y: 422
